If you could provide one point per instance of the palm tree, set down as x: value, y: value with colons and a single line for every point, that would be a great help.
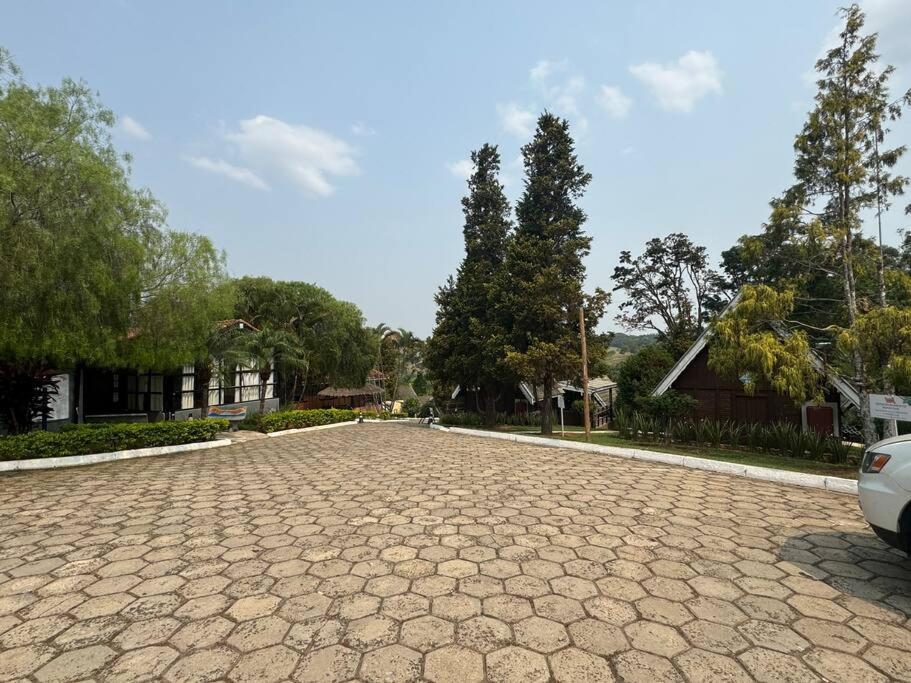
x: 222, y: 341
x: 263, y: 351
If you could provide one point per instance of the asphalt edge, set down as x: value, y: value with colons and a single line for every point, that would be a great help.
x: 817, y: 481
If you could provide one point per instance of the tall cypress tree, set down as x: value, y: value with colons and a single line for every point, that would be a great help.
x: 467, y: 346
x: 541, y: 287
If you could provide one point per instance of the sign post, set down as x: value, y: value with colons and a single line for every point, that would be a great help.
x: 561, y: 404
x: 891, y: 407
x: 587, y: 417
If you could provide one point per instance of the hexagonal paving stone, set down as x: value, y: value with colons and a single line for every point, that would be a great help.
x: 264, y: 666
x: 203, y: 665
x: 370, y: 632
x: 391, y: 663
x: 76, y: 664
x: 635, y: 666
x: 718, y: 638
x: 145, y: 664
x: 768, y: 666
x: 483, y: 634
x: 508, y: 608
x: 663, y: 611
x: 253, y: 607
x: 572, y: 665
x: 454, y: 664
x: 427, y: 633
x: 773, y: 636
x: 257, y: 633
x: 598, y: 637
x: 201, y: 634
x: 558, y: 608
x: 305, y: 607
x: 405, y: 606
x: 541, y: 635
x: 456, y: 607
x: 149, y: 632
x: 700, y: 665
x: 656, y: 638
x: 517, y: 665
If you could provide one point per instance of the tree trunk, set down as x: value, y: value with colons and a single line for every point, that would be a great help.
x: 490, y: 406
x: 263, y: 381
x: 547, y: 408
x: 860, y: 371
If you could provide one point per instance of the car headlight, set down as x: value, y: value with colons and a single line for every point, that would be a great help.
x: 874, y: 462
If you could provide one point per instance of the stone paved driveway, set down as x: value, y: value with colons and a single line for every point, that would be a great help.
x: 393, y: 553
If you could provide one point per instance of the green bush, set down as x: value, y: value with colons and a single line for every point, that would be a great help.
x: 411, y: 406
x: 781, y: 438
x: 462, y: 420
x: 104, y: 438
x: 298, y: 419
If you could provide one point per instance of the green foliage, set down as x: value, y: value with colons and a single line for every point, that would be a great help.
x: 467, y: 347
x: 339, y: 349
x: 781, y: 438
x: 640, y: 373
x: 668, y: 289
x: 411, y: 406
x: 104, y: 438
x: 540, y: 287
x: 750, y: 343
x: 89, y: 274
x: 671, y: 404
x: 298, y: 419
x: 631, y: 343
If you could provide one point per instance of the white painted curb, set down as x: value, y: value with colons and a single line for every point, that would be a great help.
x: 301, y: 430
x: 818, y: 481
x: 94, y: 458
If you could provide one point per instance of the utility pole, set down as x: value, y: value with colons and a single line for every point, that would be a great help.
x: 587, y: 420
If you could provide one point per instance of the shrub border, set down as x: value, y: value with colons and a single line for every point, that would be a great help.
x: 94, y: 458
x: 818, y: 481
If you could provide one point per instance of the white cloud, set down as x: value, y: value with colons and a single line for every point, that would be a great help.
x: 679, y: 85
x: 362, y: 129
x: 461, y: 169
x: 516, y: 120
x: 308, y: 157
x: 133, y: 128
x: 615, y: 102
x: 546, y: 68
x: 222, y: 167
x: 892, y: 20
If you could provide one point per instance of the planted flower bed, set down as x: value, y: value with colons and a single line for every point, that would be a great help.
x: 103, y: 438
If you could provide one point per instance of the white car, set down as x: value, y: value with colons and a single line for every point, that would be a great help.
x: 885, y: 490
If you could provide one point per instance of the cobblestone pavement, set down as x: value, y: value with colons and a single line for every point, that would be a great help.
x: 394, y: 553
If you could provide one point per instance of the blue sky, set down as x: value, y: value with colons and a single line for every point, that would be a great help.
x: 327, y: 142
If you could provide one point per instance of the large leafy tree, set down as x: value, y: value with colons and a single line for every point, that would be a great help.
x: 89, y: 275
x: 340, y: 350
x: 467, y: 346
x: 813, y: 243
x: 668, y: 289
x: 540, y: 289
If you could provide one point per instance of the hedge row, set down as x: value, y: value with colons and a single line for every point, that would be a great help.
x: 104, y: 438
x: 298, y: 419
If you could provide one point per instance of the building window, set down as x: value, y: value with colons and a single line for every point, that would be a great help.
x: 145, y: 392
x: 187, y: 387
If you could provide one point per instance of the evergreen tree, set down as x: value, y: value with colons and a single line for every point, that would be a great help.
x: 467, y: 347
x: 813, y: 244
x: 540, y: 289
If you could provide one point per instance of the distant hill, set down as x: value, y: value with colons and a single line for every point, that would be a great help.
x: 630, y: 343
